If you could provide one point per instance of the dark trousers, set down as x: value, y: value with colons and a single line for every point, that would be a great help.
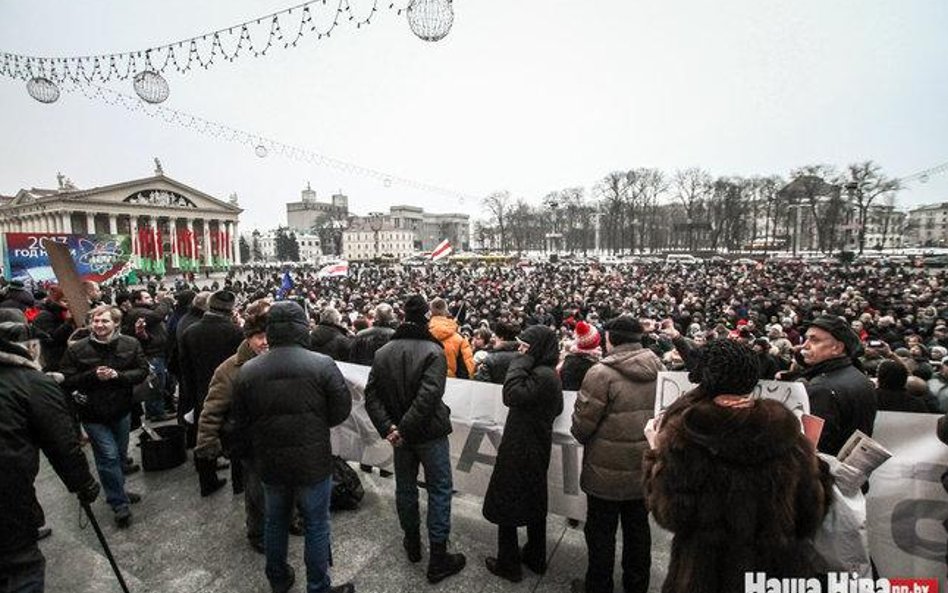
x: 253, y: 500
x: 602, y: 520
x: 508, y: 546
x: 26, y: 577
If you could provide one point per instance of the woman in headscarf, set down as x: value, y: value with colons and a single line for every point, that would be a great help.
x: 517, y: 494
x: 735, y: 480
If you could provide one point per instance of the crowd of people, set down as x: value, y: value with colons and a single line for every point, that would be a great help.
x: 247, y: 364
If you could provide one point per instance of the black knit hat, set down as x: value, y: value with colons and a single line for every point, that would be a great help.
x: 624, y: 329
x: 222, y: 301
x: 725, y: 367
x: 416, y: 310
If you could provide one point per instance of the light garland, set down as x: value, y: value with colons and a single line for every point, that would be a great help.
x: 262, y: 145
x: 430, y: 19
x: 925, y: 174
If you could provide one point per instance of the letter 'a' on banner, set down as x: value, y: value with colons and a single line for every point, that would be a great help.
x: 68, y: 277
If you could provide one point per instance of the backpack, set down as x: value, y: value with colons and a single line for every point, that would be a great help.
x: 347, y: 490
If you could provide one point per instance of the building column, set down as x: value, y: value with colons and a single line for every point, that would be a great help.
x: 90, y: 223
x: 133, y: 229
x: 113, y: 224
x: 235, y: 237
x: 66, y: 218
x: 206, y: 235
x: 173, y: 231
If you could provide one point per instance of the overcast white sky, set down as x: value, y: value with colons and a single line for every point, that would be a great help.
x: 526, y: 95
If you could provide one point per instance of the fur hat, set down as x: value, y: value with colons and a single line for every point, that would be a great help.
x: 587, y: 336
x: 255, y: 321
x: 725, y: 367
x: 222, y: 301
x: 416, y: 310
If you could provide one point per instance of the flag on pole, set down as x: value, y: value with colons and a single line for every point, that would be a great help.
x: 285, y: 286
x: 334, y: 270
x: 443, y: 249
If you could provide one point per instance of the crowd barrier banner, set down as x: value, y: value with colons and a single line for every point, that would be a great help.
x: 906, y: 503
x: 97, y: 257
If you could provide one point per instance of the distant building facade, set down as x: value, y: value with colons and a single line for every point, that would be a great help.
x: 371, y: 237
x: 927, y: 226
x: 309, y: 244
x: 430, y: 229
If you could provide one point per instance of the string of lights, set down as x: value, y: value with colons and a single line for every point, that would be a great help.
x: 430, y: 20
x: 925, y: 174
x: 261, y: 145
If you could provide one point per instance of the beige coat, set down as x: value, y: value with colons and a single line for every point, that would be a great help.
x: 615, y: 401
x: 217, y: 404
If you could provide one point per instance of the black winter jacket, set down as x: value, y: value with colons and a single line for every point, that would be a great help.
x: 494, y: 367
x: 156, y: 344
x: 574, y: 369
x: 367, y: 342
x: 204, y: 346
x: 842, y: 396
x: 331, y: 340
x: 51, y: 322
x: 406, y: 386
x: 33, y: 416
x: 287, y: 400
x: 105, y: 400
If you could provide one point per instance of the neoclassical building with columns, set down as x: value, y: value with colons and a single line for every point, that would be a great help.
x: 159, y: 202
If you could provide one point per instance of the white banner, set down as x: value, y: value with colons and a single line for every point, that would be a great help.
x: 906, y: 503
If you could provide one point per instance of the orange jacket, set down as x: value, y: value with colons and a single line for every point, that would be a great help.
x: 445, y: 330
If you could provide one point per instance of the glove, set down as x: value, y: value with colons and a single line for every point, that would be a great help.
x: 88, y: 493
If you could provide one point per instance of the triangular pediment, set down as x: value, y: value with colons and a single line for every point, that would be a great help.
x: 155, y: 192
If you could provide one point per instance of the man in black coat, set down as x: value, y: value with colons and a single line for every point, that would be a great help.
x: 146, y: 322
x: 368, y: 341
x: 100, y: 372
x: 185, y: 393
x: 839, y: 393
x: 287, y: 400
x: 55, y: 322
x: 506, y: 348
x: 204, y: 346
x: 329, y: 337
x: 33, y: 416
x: 403, y: 397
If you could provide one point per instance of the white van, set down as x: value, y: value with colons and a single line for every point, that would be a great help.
x: 681, y: 258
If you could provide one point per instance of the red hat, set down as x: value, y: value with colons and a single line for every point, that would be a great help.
x: 587, y: 336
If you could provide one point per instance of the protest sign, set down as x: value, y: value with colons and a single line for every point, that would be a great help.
x: 672, y: 385
x: 69, y: 281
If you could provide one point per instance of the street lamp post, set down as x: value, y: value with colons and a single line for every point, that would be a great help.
x: 375, y: 223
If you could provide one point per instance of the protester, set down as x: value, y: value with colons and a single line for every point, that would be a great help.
x: 403, y: 397
x: 583, y: 353
x: 892, y: 394
x: 34, y: 416
x: 839, y: 393
x: 186, y: 395
x: 100, y: 371
x: 330, y: 337
x: 146, y: 322
x: 214, y: 422
x: 457, y: 350
x: 735, y: 480
x: 614, y: 403
x: 286, y: 401
x: 55, y: 323
x: 368, y: 341
x: 204, y: 346
x: 517, y: 493
x: 505, y: 348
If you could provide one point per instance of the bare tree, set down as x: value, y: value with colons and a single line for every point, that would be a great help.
x: 865, y: 183
x: 498, y: 205
x: 692, y: 187
x: 814, y: 187
x: 612, y: 191
x: 648, y: 187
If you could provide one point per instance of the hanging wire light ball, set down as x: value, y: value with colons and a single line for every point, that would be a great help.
x: 261, y: 151
x: 151, y: 86
x: 42, y: 89
x: 430, y: 20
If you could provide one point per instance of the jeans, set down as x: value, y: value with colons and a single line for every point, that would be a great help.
x: 109, y: 446
x: 313, y: 502
x: 253, y: 500
x: 602, y: 520
x: 25, y: 578
x: 155, y: 404
x: 435, y: 457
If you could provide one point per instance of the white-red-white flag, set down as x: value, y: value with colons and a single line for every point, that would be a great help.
x: 443, y: 249
x: 333, y: 270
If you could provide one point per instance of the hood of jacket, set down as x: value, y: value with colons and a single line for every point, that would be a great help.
x: 287, y: 324
x: 635, y: 362
x: 15, y: 355
x: 442, y: 327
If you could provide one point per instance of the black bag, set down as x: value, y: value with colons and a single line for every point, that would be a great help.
x: 347, y: 491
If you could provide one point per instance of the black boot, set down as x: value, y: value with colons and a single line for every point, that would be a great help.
x: 412, y: 545
x: 441, y: 565
x: 533, y: 559
x: 514, y: 574
x: 207, y: 476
